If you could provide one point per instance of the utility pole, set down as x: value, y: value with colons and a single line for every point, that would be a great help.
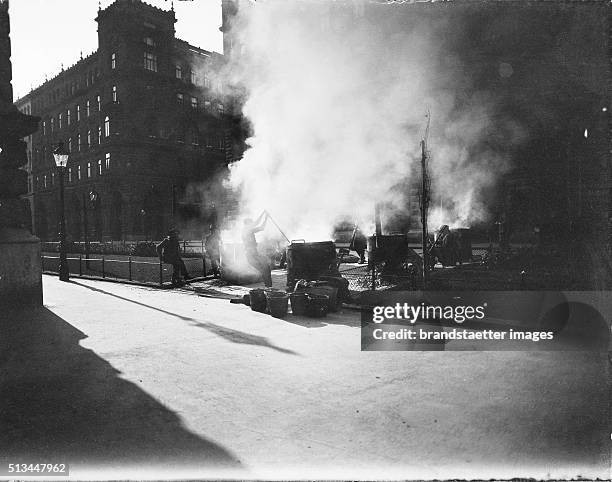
x: 424, y: 200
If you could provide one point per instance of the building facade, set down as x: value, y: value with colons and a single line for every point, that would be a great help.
x: 144, y: 121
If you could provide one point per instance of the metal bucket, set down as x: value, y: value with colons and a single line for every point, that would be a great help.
x: 277, y: 303
x: 316, y: 305
x: 258, y: 300
x: 330, y: 291
x: 298, y: 303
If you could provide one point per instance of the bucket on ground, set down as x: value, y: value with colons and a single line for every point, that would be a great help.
x: 316, y: 305
x: 277, y: 303
x: 258, y: 300
x: 298, y: 303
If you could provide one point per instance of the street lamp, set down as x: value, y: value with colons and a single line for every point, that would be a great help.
x: 61, y: 159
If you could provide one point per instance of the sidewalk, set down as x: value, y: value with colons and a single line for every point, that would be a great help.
x: 124, y: 381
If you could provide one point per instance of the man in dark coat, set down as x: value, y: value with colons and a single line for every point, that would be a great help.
x: 259, y: 262
x: 169, y: 251
x: 212, y: 249
x: 359, y: 243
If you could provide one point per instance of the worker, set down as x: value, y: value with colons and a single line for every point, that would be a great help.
x: 169, y: 251
x: 359, y: 243
x: 212, y: 249
x: 259, y: 262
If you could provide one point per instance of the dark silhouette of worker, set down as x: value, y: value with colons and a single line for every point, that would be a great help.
x: 359, y: 243
x: 259, y: 262
x: 212, y: 249
x: 169, y: 251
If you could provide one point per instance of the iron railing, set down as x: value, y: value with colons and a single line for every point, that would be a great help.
x: 147, y: 271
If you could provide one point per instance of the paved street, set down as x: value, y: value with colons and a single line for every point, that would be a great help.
x: 133, y: 381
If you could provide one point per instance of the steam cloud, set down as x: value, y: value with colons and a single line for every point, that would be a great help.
x: 337, y: 100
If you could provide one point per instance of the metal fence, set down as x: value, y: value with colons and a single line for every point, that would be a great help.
x: 122, y: 247
x: 148, y: 271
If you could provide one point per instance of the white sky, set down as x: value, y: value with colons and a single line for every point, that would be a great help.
x: 47, y: 33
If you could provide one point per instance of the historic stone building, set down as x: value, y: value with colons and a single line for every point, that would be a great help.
x: 143, y: 118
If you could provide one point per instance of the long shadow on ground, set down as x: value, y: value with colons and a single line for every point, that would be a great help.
x: 60, y: 402
x: 235, y: 336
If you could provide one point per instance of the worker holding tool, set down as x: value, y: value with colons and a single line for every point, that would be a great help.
x: 259, y: 262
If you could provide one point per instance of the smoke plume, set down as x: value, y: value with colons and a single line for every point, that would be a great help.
x: 337, y: 95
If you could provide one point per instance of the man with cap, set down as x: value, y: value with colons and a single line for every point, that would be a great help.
x: 169, y: 251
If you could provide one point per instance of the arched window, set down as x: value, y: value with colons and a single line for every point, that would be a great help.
x: 106, y: 126
x: 79, y: 142
x: 78, y: 173
x: 59, y: 119
x: 88, y: 139
x: 87, y: 108
x: 52, y: 124
x: 99, y: 100
x: 88, y: 170
x: 99, y: 167
x: 99, y: 134
x: 68, y: 117
x: 113, y: 60
x: 78, y: 113
x: 114, y: 93
x: 70, y: 144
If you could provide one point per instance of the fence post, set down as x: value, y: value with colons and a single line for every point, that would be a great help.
x: 130, y: 268
x: 373, y: 276
x: 161, y: 278
x: 80, y: 265
x: 103, y: 273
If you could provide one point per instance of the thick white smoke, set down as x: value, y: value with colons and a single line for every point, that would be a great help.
x: 337, y: 102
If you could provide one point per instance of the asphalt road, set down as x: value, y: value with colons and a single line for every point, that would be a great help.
x: 124, y: 381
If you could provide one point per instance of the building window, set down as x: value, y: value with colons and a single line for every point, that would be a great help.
x: 59, y: 121
x: 88, y: 139
x: 107, y: 161
x: 220, y: 108
x: 99, y: 101
x: 88, y: 170
x: 106, y: 126
x: 207, y: 104
x: 70, y: 144
x: 195, y: 137
x: 180, y: 135
x: 51, y: 124
x: 68, y: 117
x: 220, y: 142
x: 194, y: 103
x: 193, y: 77
x: 52, y: 178
x: 114, y: 93
x: 206, y: 80
x: 78, y: 113
x: 44, y: 128
x: 113, y: 60
x: 99, y: 167
x: 87, y: 108
x: 179, y: 98
x: 178, y: 72
x: 150, y: 42
x: 79, y: 142
x: 78, y: 173
x: 69, y: 174
x: 45, y: 181
x: 150, y: 61
x: 99, y: 134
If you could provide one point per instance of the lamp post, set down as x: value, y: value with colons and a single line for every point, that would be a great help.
x: 61, y: 159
